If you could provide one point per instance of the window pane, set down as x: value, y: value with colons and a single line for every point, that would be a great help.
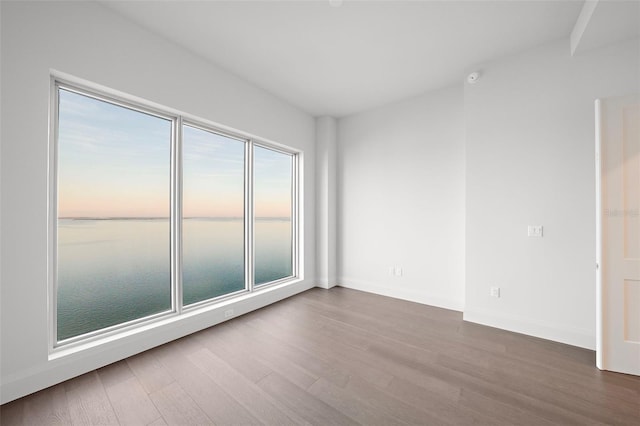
x: 273, y: 183
x: 113, y: 215
x: 213, y: 212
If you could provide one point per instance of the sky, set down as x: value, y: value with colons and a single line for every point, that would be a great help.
x: 115, y: 162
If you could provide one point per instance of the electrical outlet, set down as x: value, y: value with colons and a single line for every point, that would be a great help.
x: 395, y: 271
x: 228, y: 313
x: 534, y: 231
x: 495, y: 292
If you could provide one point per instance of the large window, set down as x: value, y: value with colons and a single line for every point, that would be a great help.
x: 213, y: 215
x: 154, y: 214
x: 273, y: 210
x: 113, y: 214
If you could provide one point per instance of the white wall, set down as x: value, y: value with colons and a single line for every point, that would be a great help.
x: 90, y: 42
x: 530, y: 161
x: 401, y: 199
x: 326, y: 187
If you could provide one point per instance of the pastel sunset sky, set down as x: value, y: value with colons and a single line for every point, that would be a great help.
x: 114, y: 162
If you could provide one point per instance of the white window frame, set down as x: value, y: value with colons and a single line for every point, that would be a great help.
x: 294, y: 214
x: 178, y: 120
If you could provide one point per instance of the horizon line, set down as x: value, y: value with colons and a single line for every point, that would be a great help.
x: 164, y: 217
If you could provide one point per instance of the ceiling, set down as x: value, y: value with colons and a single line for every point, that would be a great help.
x: 336, y: 61
x: 607, y: 21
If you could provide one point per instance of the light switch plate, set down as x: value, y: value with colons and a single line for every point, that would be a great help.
x: 534, y: 231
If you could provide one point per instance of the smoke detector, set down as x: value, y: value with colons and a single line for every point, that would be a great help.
x: 473, y: 77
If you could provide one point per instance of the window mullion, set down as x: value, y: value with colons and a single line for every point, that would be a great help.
x: 248, y: 217
x: 176, y: 213
x: 294, y: 216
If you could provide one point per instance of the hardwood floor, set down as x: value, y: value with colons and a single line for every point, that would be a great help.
x: 343, y: 357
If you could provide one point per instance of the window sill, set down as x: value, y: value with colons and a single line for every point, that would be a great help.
x: 216, y: 312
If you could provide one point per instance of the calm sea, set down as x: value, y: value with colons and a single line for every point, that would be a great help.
x: 113, y: 271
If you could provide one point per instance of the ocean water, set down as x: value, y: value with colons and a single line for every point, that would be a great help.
x: 114, y: 271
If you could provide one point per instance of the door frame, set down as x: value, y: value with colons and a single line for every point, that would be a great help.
x: 607, y: 352
x: 599, y: 293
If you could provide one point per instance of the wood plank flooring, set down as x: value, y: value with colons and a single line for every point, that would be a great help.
x: 343, y: 357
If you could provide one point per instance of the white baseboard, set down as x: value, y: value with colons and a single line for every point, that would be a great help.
x: 569, y: 335
x: 574, y: 336
x: 397, y: 293
x: 60, y: 368
x: 325, y: 283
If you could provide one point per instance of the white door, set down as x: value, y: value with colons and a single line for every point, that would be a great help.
x: 618, y: 234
